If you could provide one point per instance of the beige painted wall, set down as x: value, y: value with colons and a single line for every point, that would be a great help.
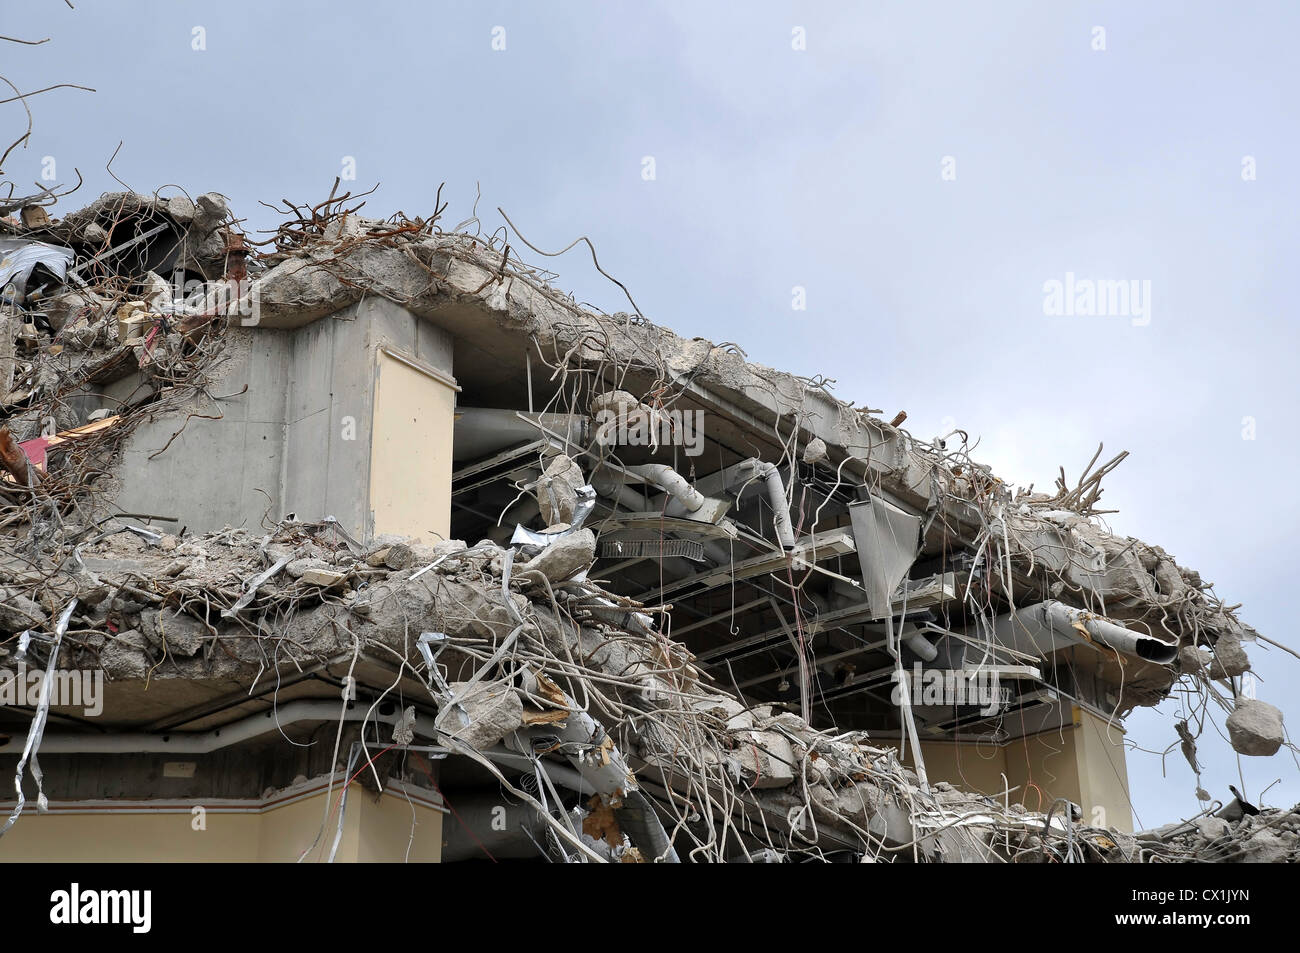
x: 1104, y: 773
x: 410, y: 450
x: 975, y: 767
x: 373, y: 830
x: 1044, y: 766
x: 1084, y: 761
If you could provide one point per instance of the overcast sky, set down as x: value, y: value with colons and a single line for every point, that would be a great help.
x: 920, y: 170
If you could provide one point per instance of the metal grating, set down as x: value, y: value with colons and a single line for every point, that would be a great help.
x: 652, y: 549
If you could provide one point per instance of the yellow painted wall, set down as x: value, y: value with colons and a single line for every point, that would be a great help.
x: 1084, y: 761
x: 373, y: 830
x: 108, y: 836
x: 410, y: 451
x: 1104, y: 773
x: 1044, y: 766
x: 973, y: 767
x: 385, y: 832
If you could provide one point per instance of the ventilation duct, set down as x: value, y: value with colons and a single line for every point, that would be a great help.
x: 1047, y: 627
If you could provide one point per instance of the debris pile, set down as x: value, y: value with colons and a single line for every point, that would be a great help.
x: 539, y: 674
x: 1051, y: 545
x: 519, y: 645
x: 1238, y: 833
x: 85, y: 308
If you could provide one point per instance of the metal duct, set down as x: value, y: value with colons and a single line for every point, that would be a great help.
x: 922, y: 646
x: 481, y: 431
x: 780, y: 506
x: 1047, y: 627
x: 490, y: 824
x: 208, y: 741
x: 652, y: 549
x: 611, y: 486
x: 638, y: 820
x: 1111, y: 634
x: 671, y: 482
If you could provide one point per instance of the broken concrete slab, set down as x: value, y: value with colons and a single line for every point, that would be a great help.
x: 557, y: 490
x: 1255, y: 728
x: 178, y: 632
x: 124, y: 655
x: 763, y: 759
x: 482, y: 716
x: 565, y: 557
x: 17, y: 612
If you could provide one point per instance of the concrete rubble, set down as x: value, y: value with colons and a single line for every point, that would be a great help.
x: 1270, y: 836
x: 1255, y: 728
x: 529, y: 662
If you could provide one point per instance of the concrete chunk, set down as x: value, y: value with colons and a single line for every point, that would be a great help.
x: 1211, y: 828
x: 557, y: 490
x: 1255, y: 728
x: 125, y: 657
x: 728, y: 712
x: 325, y: 578
x: 180, y: 208
x: 1266, y: 847
x: 315, y: 572
x: 395, y: 556
x: 565, y: 557
x: 17, y: 612
x: 483, y: 717
x: 764, y: 759
x: 815, y: 451
x: 1230, y: 659
x: 183, y: 633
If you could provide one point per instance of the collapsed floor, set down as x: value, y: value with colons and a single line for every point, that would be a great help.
x: 506, y: 657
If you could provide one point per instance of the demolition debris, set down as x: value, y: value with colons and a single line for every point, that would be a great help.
x: 372, y: 501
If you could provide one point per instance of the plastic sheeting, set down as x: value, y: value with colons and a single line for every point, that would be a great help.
x: 18, y: 257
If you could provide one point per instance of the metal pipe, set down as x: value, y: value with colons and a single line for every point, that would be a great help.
x: 638, y: 820
x: 780, y: 506
x: 481, y: 431
x: 489, y: 824
x: 209, y: 741
x: 608, y: 485
x: 1110, y: 634
x: 922, y: 646
x: 671, y: 482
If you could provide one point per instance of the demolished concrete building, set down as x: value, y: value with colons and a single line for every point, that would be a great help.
x: 373, y: 505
